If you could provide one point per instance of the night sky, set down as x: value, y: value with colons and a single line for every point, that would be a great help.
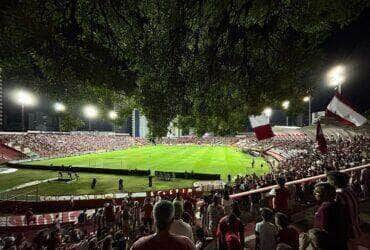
x: 349, y: 47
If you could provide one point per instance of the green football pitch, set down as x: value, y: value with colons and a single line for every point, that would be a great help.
x: 221, y: 160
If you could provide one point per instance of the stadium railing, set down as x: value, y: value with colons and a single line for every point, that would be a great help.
x: 304, y: 180
x: 69, y: 216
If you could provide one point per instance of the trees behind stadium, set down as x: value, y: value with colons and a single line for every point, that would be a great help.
x: 208, y: 63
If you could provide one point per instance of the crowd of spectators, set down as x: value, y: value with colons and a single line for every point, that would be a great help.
x: 49, y: 144
x: 213, y: 221
x: 342, y: 153
x: 206, y: 140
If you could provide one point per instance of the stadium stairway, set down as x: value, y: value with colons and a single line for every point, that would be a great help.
x: 8, y: 154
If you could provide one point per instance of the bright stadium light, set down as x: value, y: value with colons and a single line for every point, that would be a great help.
x: 112, y: 115
x: 267, y: 112
x: 308, y: 99
x: 90, y: 112
x: 59, y: 107
x: 336, y: 76
x: 25, y: 99
x: 285, y: 104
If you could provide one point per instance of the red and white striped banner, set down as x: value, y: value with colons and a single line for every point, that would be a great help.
x: 43, y: 219
x: 342, y: 110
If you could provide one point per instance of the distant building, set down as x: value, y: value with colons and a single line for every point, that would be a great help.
x: 317, y: 115
x: 173, y: 131
x: 139, y: 124
x: 41, y: 121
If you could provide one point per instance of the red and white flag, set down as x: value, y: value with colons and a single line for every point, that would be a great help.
x: 320, y: 139
x: 342, y: 110
x: 261, y: 126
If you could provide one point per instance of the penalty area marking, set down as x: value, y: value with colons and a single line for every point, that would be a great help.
x: 7, y: 170
x: 29, y: 184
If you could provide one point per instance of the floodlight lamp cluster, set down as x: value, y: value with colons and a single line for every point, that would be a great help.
x: 336, y: 76
x: 90, y: 111
x: 59, y: 107
x: 285, y: 104
x: 24, y: 98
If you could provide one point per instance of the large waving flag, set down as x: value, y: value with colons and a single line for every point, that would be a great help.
x: 261, y: 126
x: 342, y: 110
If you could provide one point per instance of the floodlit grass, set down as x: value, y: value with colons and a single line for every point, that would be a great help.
x: 200, y: 159
x: 19, y: 177
x: 106, y: 183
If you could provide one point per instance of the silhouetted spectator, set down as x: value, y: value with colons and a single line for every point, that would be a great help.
x: 93, y: 183
x: 163, y: 239
x: 286, y: 234
x: 329, y: 215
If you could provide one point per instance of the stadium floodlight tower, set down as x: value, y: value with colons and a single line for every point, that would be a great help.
x: 113, y: 116
x: 90, y: 112
x: 25, y: 99
x: 308, y: 100
x: 59, y: 108
x: 285, y: 106
x: 267, y: 112
x: 336, y: 77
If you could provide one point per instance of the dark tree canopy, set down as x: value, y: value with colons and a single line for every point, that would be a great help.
x: 209, y: 63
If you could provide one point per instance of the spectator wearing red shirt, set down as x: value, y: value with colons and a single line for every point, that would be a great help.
x: 330, y: 216
x: 188, y: 208
x: 286, y: 234
x: 147, y: 209
x: 162, y: 240
x: 230, y: 233
x: 281, y: 196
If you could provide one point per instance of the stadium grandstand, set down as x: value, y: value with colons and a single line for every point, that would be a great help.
x: 118, y: 219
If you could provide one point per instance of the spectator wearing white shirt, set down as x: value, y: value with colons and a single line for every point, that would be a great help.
x: 226, y: 202
x: 266, y: 232
x: 178, y: 226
